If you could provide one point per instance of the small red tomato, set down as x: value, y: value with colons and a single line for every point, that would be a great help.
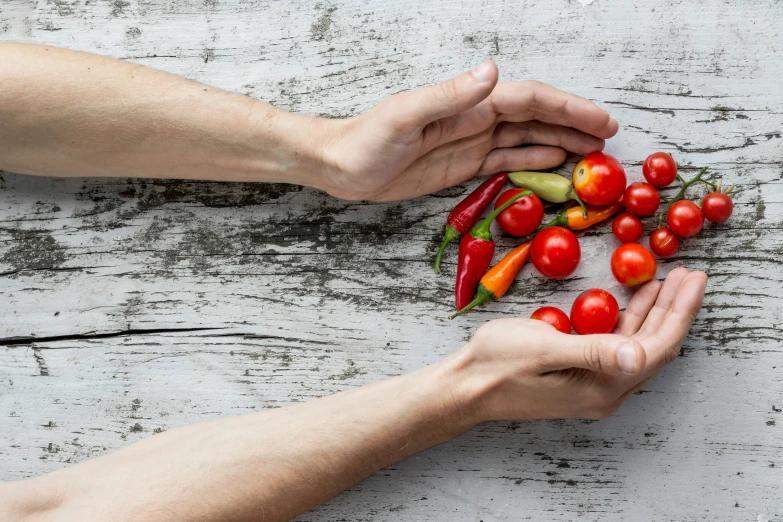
x: 685, y: 218
x: 632, y: 264
x: 599, y: 179
x: 663, y: 242
x: 595, y: 311
x: 717, y: 207
x: 627, y: 228
x: 554, y: 316
x: 523, y: 217
x: 555, y: 252
x: 660, y: 169
x: 642, y: 199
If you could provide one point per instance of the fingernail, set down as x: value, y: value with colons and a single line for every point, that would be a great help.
x: 483, y: 72
x: 626, y: 358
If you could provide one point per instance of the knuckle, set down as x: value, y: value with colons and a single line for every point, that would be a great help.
x: 487, y: 331
x: 533, y: 84
x: 447, y: 92
x: 526, y: 135
x: 592, y: 355
x: 534, y: 87
x: 483, y: 332
x: 563, y: 109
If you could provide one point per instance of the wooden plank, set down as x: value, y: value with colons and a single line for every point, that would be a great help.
x: 131, y: 306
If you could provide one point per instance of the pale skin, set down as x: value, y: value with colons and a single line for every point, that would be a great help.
x: 67, y: 113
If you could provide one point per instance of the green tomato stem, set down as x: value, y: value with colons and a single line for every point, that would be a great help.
x: 713, y: 186
x: 685, y: 185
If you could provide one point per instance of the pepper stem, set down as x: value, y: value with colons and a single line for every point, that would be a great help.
x: 481, y: 231
x: 449, y: 235
x: 573, y: 195
x: 560, y: 221
x: 482, y: 296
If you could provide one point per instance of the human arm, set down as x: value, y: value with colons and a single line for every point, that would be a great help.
x: 275, y: 464
x: 68, y: 113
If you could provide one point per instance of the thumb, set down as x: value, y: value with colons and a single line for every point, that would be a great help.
x: 420, y: 107
x: 614, y: 354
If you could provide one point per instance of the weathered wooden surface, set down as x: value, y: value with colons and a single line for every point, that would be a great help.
x: 155, y: 304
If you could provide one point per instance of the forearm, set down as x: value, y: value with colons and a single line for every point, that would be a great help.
x: 67, y: 113
x: 270, y: 465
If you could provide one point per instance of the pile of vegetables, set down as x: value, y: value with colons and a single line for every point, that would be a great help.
x: 598, y: 186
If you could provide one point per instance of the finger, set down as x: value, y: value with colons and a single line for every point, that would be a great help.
x: 664, y: 301
x: 521, y: 101
x: 665, y: 345
x: 637, y: 310
x: 509, y: 134
x: 416, y: 109
x: 536, y: 157
x: 613, y: 354
x: 663, y: 349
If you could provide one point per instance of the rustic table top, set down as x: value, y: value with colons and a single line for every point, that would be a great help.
x: 128, y: 307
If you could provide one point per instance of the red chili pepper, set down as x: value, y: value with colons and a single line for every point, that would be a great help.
x: 475, y: 255
x: 495, y: 283
x: 468, y: 211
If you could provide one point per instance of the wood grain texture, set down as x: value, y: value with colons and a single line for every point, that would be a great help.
x: 128, y: 307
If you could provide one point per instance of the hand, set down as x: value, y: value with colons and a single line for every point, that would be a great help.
x: 418, y: 142
x: 525, y: 369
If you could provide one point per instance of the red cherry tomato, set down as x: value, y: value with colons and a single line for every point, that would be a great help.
x: 627, y: 228
x: 595, y: 311
x: 555, y: 252
x: 659, y: 169
x: 523, y: 217
x: 663, y: 242
x: 717, y: 207
x: 632, y: 264
x: 642, y: 199
x: 599, y: 179
x: 685, y: 218
x: 554, y: 316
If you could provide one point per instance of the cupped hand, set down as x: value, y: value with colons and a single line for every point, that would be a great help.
x: 418, y: 142
x: 525, y: 369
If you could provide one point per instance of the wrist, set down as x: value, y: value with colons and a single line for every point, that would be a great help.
x: 463, y: 390
x: 290, y: 148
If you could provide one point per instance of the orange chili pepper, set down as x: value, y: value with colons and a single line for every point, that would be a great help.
x: 573, y: 219
x: 498, y: 279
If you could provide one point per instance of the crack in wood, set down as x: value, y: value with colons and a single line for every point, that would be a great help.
x: 17, y: 341
x: 53, y: 269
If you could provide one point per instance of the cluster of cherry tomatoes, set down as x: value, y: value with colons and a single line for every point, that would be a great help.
x: 632, y: 263
x: 599, y: 180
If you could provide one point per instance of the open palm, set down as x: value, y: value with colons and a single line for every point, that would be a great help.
x: 656, y: 321
x: 418, y: 142
x: 529, y: 370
